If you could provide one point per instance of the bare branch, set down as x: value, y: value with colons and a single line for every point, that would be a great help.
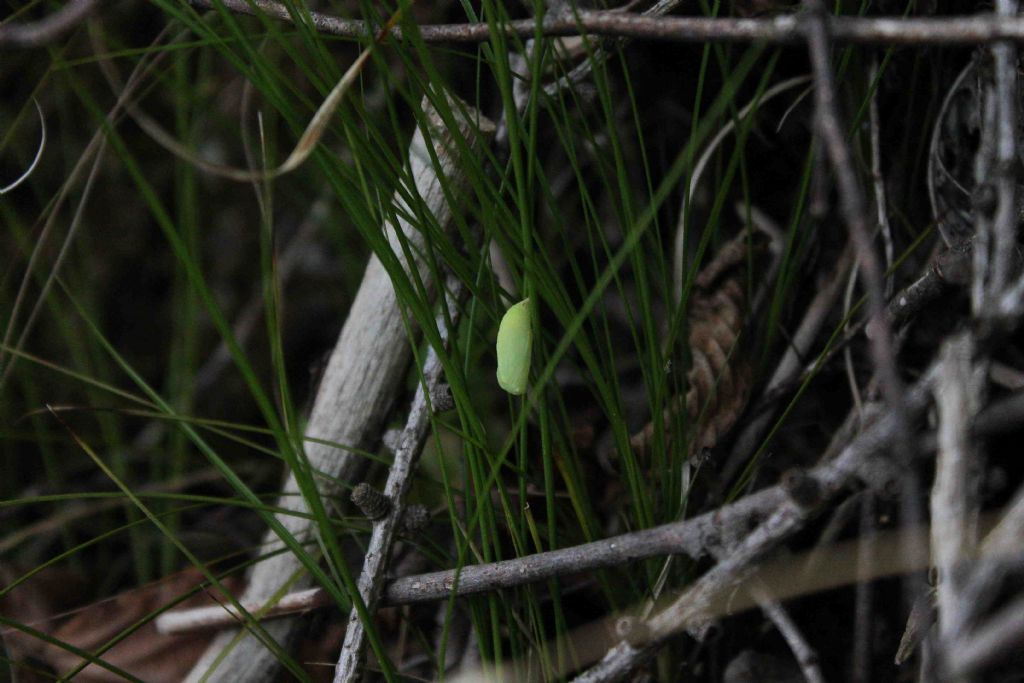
x: 694, y: 537
x: 878, y: 180
x: 852, y: 203
x: 44, y: 31
x: 782, y: 29
x: 221, y: 616
x: 863, y: 621
x: 806, y: 657
x: 694, y: 609
x: 954, y: 503
x: 1000, y: 551
x: 1004, y: 222
x: 789, y: 369
x: 378, y: 551
x: 362, y: 378
x: 998, y: 638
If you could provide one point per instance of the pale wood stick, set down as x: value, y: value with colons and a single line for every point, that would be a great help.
x: 362, y: 378
x: 955, y: 499
x: 385, y: 531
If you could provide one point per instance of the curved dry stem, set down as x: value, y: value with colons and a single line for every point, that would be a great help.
x: 39, y: 153
x: 303, y: 148
x: 679, y: 249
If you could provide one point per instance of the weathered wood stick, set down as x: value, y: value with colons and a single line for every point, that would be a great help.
x: 362, y: 378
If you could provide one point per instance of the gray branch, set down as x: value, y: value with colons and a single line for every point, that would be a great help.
x: 955, y: 501
x: 782, y: 29
x: 698, y: 605
x: 48, y: 29
x: 692, y: 537
x: 362, y: 379
x: 378, y: 552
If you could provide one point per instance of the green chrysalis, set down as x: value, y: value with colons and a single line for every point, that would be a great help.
x: 515, y: 340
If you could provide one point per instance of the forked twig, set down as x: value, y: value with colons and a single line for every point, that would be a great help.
x: 378, y: 551
x: 693, y: 610
x: 712, y: 531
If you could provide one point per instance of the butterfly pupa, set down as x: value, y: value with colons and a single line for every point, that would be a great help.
x: 515, y: 341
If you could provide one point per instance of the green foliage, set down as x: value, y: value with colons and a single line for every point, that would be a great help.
x: 132, y: 313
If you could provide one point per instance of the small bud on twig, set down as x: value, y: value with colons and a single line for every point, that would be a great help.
x: 441, y: 399
x: 416, y: 518
x: 801, y: 487
x: 371, y: 502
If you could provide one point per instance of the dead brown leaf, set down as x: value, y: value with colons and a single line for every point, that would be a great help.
x: 146, y: 654
x: 719, y: 379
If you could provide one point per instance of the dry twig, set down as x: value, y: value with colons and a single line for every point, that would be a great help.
x: 362, y: 377
x: 378, y: 551
x: 955, y: 500
x: 779, y: 511
x: 782, y: 29
x: 1003, y: 241
x: 693, y: 537
x: 806, y: 657
x: 997, y: 638
x: 692, y: 611
x: 852, y: 204
x: 44, y: 31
